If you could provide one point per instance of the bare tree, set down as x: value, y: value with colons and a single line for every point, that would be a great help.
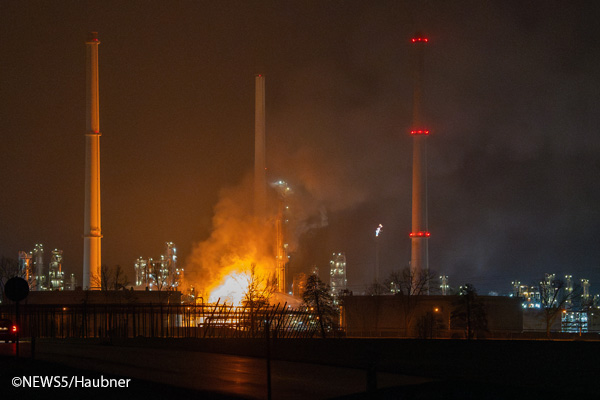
x: 259, y: 289
x: 377, y: 289
x: 111, y: 278
x: 553, y: 298
x: 411, y: 288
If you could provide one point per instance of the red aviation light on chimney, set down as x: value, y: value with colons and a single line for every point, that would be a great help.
x: 420, y: 39
x: 419, y: 234
x: 419, y: 132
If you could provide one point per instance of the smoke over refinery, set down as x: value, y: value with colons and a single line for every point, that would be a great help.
x: 237, y: 241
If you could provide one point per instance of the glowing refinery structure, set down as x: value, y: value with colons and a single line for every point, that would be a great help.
x: 281, y: 248
x: 163, y: 273
x: 260, y: 184
x: 337, y: 273
x: 39, y: 274
x: 419, y: 235
x: 92, y: 231
x: 40, y: 278
x: 56, y: 276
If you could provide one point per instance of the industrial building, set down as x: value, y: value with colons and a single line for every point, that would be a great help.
x: 56, y: 276
x: 410, y: 316
x: 337, y: 273
x: 163, y: 273
x: 444, y: 286
x: 579, y: 311
x: 281, y: 234
x: 40, y: 278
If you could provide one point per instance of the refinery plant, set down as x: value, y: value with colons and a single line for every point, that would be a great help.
x: 256, y: 283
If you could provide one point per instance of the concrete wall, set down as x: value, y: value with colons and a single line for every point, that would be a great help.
x: 386, y: 316
x: 102, y: 297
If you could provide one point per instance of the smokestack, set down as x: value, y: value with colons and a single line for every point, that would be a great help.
x: 92, y: 231
x: 260, y: 178
x: 419, y: 235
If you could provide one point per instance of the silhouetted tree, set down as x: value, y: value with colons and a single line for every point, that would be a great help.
x: 411, y: 288
x: 256, y: 295
x: 377, y: 289
x: 9, y: 268
x: 469, y: 312
x: 258, y: 290
x: 428, y: 324
x: 111, y: 278
x: 318, y: 298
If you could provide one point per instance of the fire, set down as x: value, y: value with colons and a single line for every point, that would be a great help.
x: 232, y: 290
x: 239, y: 254
x: 242, y: 283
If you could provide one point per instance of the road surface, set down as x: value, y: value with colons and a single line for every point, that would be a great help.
x: 234, y: 375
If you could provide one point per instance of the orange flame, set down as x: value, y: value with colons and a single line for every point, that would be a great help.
x: 220, y: 265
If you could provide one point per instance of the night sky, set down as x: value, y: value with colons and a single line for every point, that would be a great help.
x: 511, y: 95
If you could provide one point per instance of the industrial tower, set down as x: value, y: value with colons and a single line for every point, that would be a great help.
x: 419, y: 235
x: 337, y: 273
x: 92, y: 231
x: 281, y: 247
x: 260, y: 166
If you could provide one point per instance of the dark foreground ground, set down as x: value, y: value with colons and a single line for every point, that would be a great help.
x: 337, y: 368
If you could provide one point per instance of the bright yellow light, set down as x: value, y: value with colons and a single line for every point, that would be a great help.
x: 232, y: 289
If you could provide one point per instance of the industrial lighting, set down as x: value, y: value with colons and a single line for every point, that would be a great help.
x: 420, y: 234
x: 378, y: 230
